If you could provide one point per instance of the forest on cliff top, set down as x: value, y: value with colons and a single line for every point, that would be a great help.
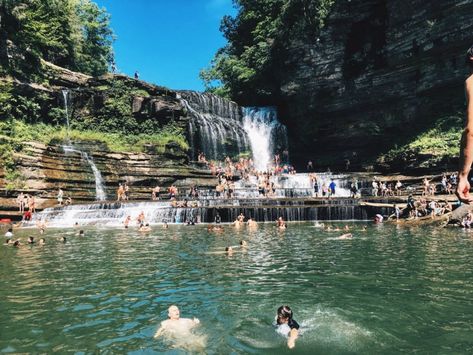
x: 250, y: 62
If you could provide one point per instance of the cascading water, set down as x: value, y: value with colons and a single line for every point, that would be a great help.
x: 114, y: 214
x: 294, y: 186
x: 267, y: 136
x: 65, y: 95
x: 100, y: 194
x: 215, y: 127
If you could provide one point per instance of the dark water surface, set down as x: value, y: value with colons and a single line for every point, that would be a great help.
x: 389, y: 290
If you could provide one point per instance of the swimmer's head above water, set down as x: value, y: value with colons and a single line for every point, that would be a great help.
x: 284, y: 319
x: 173, y: 312
x: 284, y: 314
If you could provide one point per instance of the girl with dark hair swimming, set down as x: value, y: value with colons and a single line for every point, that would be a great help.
x: 287, y: 325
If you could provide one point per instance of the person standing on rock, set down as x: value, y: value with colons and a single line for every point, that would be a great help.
x: 466, y: 143
x: 20, y: 200
x: 60, y: 196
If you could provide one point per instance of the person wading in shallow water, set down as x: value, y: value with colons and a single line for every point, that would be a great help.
x: 466, y: 144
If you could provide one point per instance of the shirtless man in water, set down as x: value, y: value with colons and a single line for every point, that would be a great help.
x: 466, y: 143
x: 175, y: 324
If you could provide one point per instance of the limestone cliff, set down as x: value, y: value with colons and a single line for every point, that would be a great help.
x: 380, y: 71
x: 43, y: 167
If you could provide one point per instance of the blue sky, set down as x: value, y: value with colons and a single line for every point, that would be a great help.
x: 167, y: 41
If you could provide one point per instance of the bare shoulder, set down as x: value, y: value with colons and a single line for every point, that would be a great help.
x: 469, y: 83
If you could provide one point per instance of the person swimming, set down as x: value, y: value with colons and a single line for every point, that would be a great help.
x: 179, y: 329
x: 252, y: 223
x: 346, y: 236
x: 243, y: 244
x: 229, y: 251
x: 145, y: 228
x: 287, y: 326
x: 280, y: 223
x: 31, y: 240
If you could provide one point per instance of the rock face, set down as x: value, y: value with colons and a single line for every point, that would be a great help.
x: 380, y: 71
x: 145, y: 108
x: 46, y: 168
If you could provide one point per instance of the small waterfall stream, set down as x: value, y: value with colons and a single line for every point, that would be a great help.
x: 100, y: 194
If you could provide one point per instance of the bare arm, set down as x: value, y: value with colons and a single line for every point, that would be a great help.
x: 291, y: 340
x: 160, y: 331
x: 466, y: 148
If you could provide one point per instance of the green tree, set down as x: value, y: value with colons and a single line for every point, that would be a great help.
x: 257, y: 37
x: 95, y: 50
x: 74, y: 34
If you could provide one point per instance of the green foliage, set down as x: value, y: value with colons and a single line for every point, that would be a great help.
x: 139, y: 92
x: 21, y: 132
x: 256, y: 36
x: 438, y: 143
x: 95, y: 45
x: 14, y: 180
x: 28, y: 109
x: 74, y: 34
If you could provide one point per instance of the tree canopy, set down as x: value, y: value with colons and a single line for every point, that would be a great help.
x: 74, y: 34
x: 256, y: 36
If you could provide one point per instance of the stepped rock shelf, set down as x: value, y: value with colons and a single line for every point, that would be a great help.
x: 260, y: 209
x: 48, y: 167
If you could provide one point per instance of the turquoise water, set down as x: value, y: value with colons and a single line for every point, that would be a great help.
x: 389, y: 290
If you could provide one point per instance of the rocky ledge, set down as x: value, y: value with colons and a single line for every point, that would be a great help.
x: 46, y: 168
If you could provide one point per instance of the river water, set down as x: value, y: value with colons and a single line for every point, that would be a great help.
x: 389, y: 290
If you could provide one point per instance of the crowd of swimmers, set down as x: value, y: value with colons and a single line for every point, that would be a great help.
x: 10, y: 239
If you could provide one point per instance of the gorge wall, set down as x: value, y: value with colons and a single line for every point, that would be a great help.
x: 379, y: 72
x: 45, y: 166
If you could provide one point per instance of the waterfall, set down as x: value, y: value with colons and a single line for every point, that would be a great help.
x: 65, y: 94
x: 100, y: 194
x: 215, y: 126
x: 218, y: 129
x: 266, y: 210
x: 267, y: 136
x: 295, y: 186
x: 113, y: 214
